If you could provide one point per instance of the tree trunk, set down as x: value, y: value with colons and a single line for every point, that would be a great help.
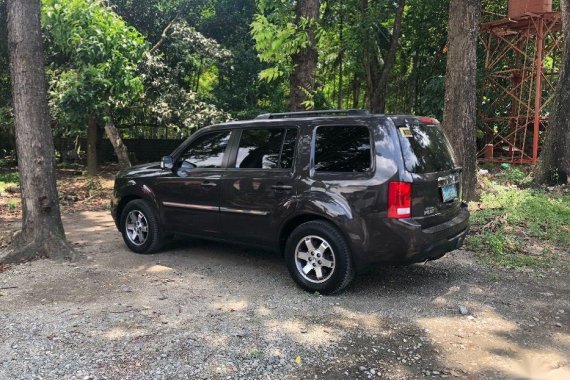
x: 340, y: 56
x: 379, y: 105
x: 355, y: 91
x: 376, y: 77
x: 91, y: 145
x: 459, y: 113
x: 120, y: 149
x: 42, y: 233
x: 302, y: 81
x: 553, y: 165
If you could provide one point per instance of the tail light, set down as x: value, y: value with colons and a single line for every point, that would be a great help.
x: 399, y: 200
x: 428, y: 120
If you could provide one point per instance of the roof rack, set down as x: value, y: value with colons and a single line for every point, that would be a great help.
x: 289, y: 115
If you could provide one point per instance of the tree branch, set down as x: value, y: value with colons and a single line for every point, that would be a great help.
x: 163, y: 36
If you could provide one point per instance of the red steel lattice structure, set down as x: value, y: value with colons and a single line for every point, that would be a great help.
x: 521, y: 63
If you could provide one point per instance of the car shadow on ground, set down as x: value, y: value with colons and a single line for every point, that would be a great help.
x: 400, y: 278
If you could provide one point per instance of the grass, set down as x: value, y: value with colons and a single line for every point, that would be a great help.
x: 515, y: 227
x: 511, y: 175
x: 8, y: 179
x: 13, y: 204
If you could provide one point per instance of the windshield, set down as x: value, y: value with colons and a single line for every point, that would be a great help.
x: 425, y: 148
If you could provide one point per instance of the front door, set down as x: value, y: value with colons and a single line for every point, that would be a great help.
x: 258, y: 184
x: 190, y: 196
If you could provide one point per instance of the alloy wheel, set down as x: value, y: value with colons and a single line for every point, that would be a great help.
x: 315, y: 259
x: 136, y: 227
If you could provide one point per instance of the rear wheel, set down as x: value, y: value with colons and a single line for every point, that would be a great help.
x: 140, y: 228
x: 318, y: 257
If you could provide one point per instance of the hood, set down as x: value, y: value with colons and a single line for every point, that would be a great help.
x: 145, y: 170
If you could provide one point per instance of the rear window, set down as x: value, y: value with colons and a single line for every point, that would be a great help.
x: 343, y: 149
x: 425, y: 148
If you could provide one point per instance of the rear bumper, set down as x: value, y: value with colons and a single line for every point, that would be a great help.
x: 404, y: 241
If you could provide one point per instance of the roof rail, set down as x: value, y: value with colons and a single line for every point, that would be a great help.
x: 289, y: 115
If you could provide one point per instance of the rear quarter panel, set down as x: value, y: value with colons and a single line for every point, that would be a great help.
x: 354, y: 202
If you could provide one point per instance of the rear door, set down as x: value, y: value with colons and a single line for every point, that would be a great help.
x: 428, y: 156
x: 258, y: 184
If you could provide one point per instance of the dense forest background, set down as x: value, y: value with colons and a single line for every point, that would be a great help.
x: 162, y: 68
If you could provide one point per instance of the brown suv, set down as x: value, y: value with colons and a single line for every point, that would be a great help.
x: 334, y: 191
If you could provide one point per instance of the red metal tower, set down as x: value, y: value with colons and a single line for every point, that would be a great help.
x: 522, y: 57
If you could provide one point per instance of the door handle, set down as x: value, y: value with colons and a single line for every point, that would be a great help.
x: 208, y: 184
x: 281, y: 187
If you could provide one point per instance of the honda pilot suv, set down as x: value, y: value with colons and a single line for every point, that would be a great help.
x: 335, y: 192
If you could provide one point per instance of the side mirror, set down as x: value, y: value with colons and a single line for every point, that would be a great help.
x: 167, y: 163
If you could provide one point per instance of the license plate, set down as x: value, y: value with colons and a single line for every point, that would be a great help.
x: 449, y: 193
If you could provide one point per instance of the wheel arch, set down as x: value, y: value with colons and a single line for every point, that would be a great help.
x: 295, y: 221
x: 121, y: 206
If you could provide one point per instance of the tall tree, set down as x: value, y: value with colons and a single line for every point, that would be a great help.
x: 459, y: 113
x: 553, y: 166
x: 95, y: 56
x: 42, y: 231
x: 302, y: 80
x: 377, y: 74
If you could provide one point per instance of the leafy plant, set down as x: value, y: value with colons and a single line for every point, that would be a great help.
x: 94, y: 57
x: 506, y: 218
x: 12, y: 204
x: 9, y: 179
x: 94, y: 186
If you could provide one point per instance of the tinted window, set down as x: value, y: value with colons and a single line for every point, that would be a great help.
x: 342, y: 149
x: 268, y: 148
x: 288, y: 151
x: 425, y: 148
x: 207, y: 151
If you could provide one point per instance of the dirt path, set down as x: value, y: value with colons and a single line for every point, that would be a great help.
x: 207, y: 310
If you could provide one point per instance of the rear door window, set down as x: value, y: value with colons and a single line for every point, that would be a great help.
x: 345, y: 149
x: 425, y: 148
x: 266, y: 148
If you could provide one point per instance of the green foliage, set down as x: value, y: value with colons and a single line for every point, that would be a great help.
x: 13, y: 204
x: 229, y: 57
x: 94, y: 57
x: 150, y: 17
x: 6, y: 117
x: 9, y: 179
x: 508, y: 218
x: 277, y: 36
x: 238, y: 89
x: 512, y: 174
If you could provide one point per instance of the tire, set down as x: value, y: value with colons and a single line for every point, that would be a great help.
x: 136, y: 238
x: 305, y: 254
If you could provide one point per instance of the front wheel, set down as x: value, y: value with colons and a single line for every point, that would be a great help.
x: 318, y: 257
x: 140, y: 228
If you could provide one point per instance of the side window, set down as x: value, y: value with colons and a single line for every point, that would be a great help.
x: 207, y: 151
x: 343, y: 149
x: 266, y: 148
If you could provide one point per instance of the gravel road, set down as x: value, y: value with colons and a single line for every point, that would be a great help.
x: 203, y: 310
